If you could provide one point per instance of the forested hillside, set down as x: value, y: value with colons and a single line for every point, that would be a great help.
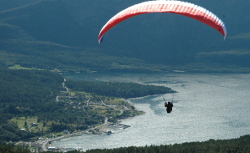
x: 61, y: 34
x: 23, y: 87
x: 29, y: 108
x: 24, y: 93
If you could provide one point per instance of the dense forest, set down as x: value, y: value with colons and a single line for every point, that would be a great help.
x: 117, y: 89
x: 13, y: 149
x: 23, y: 87
x: 239, y: 145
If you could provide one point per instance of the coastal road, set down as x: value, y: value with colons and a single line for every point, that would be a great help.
x: 44, y: 145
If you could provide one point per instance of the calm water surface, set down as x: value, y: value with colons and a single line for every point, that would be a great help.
x: 207, y: 106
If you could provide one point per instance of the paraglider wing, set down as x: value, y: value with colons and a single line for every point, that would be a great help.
x: 177, y: 7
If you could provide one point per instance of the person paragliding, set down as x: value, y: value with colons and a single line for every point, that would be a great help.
x: 169, y: 105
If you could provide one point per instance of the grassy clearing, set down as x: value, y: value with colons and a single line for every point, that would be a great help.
x: 21, y: 121
x: 115, y: 101
x: 30, y: 123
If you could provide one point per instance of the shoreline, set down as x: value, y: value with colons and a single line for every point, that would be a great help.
x: 106, y: 127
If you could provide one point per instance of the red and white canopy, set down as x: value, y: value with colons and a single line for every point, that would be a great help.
x: 177, y: 7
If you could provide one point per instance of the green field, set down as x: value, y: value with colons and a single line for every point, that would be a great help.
x: 30, y: 124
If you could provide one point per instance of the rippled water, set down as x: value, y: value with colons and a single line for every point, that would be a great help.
x: 207, y: 106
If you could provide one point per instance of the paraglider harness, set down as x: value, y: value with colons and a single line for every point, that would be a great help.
x: 169, y: 106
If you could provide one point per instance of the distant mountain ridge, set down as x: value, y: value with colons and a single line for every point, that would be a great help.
x: 62, y: 34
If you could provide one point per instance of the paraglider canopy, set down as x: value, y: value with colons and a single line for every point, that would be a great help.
x: 177, y: 7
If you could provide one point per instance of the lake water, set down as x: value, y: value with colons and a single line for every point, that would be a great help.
x: 207, y: 106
